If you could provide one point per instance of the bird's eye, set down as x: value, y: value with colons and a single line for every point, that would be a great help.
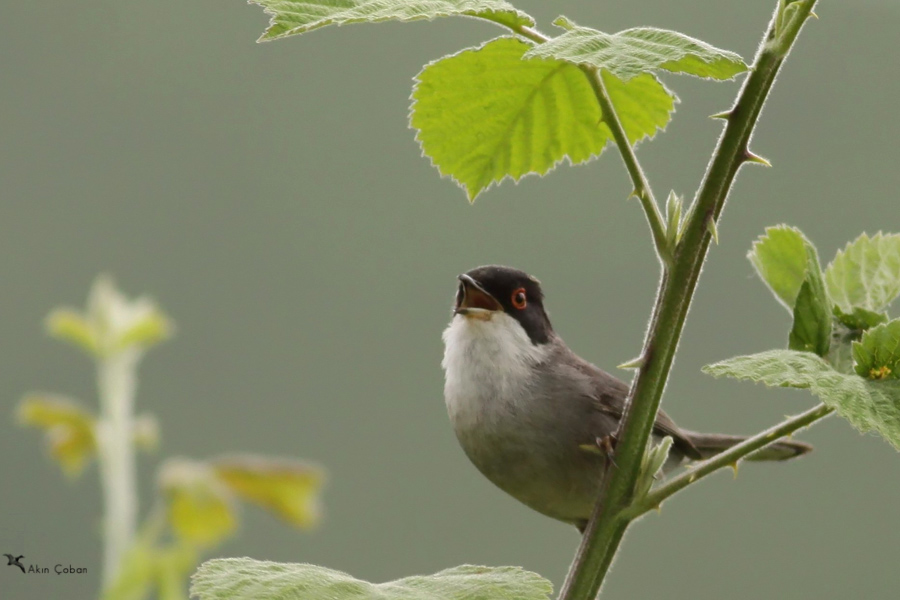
x: 518, y: 299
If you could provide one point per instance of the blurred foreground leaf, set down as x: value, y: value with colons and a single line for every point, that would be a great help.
x: 289, y: 488
x: 68, y: 427
x: 201, y: 510
x: 247, y: 579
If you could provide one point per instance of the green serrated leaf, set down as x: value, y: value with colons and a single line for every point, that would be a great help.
x: 859, y: 319
x: 640, y: 50
x: 868, y: 405
x: 877, y: 354
x: 781, y: 257
x: 247, y: 579
x: 292, y: 17
x: 289, y: 488
x: 811, y: 331
x: 485, y: 114
x: 866, y: 273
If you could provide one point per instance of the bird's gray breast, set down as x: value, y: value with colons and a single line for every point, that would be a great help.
x: 520, y: 421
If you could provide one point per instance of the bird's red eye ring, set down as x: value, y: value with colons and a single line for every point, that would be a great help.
x: 518, y: 299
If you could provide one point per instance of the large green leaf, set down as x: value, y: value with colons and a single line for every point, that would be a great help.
x: 640, y: 50
x: 868, y: 405
x: 866, y: 273
x: 247, y: 579
x: 485, y: 114
x: 292, y: 17
x: 877, y: 354
x: 782, y: 259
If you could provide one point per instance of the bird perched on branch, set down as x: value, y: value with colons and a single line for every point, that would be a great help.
x: 530, y: 413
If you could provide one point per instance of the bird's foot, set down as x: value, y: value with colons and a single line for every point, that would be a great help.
x: 607, y: 445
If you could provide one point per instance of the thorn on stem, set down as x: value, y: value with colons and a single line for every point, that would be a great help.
x: 713, y: 230
x: 734, y: 467
x: 724, y: 115
x: 755, y: 158
x: 813, y: 15
x: 634, y: 363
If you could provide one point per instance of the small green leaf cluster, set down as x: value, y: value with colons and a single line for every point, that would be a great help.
x: 196, y: 506
x: 197, y: 509
x: 248, y: 579
x: 842, y: 346
x: 522, y: 104
x: 111, y: 327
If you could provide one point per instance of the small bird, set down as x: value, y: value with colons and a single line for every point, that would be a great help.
x: 14, y: 560
x: 530, y: 413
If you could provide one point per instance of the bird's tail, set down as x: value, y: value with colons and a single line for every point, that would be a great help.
x: 710, y: 444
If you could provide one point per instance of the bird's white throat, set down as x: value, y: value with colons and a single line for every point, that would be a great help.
x: 487, y: 365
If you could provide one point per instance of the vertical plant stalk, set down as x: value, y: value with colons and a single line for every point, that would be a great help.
x: 116, y: 382
x: 608, y: 523
x: 642, y: 189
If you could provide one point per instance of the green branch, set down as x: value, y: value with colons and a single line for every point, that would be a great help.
x: 641, y: 185
x: 728, y: 458
x: 607, y: 525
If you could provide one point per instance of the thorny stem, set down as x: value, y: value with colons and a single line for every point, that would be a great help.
x: 728, y: 458
x: 608, y: 523
x: 116, y: 380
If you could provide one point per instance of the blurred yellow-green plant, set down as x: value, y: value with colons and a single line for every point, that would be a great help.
x: 196, y: 503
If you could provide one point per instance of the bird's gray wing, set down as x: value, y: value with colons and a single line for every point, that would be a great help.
x: 609, y: 394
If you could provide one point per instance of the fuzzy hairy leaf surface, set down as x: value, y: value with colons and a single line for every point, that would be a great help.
x: 247, y: 579
x: 868, y: 405
x: 640, y: 50
x: 877, y: 354
x: 292, y: 17
x: 485, y: 114
x: 866, y: 273
x: 781, y: 257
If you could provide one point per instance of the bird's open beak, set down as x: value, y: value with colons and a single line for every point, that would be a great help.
x: 473, y: 301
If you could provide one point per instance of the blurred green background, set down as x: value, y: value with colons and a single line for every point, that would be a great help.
x: 272, y: 199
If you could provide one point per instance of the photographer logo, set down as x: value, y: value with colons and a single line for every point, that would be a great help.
x: 59, y: 569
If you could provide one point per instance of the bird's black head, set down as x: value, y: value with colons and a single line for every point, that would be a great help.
x: 494, y: 288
